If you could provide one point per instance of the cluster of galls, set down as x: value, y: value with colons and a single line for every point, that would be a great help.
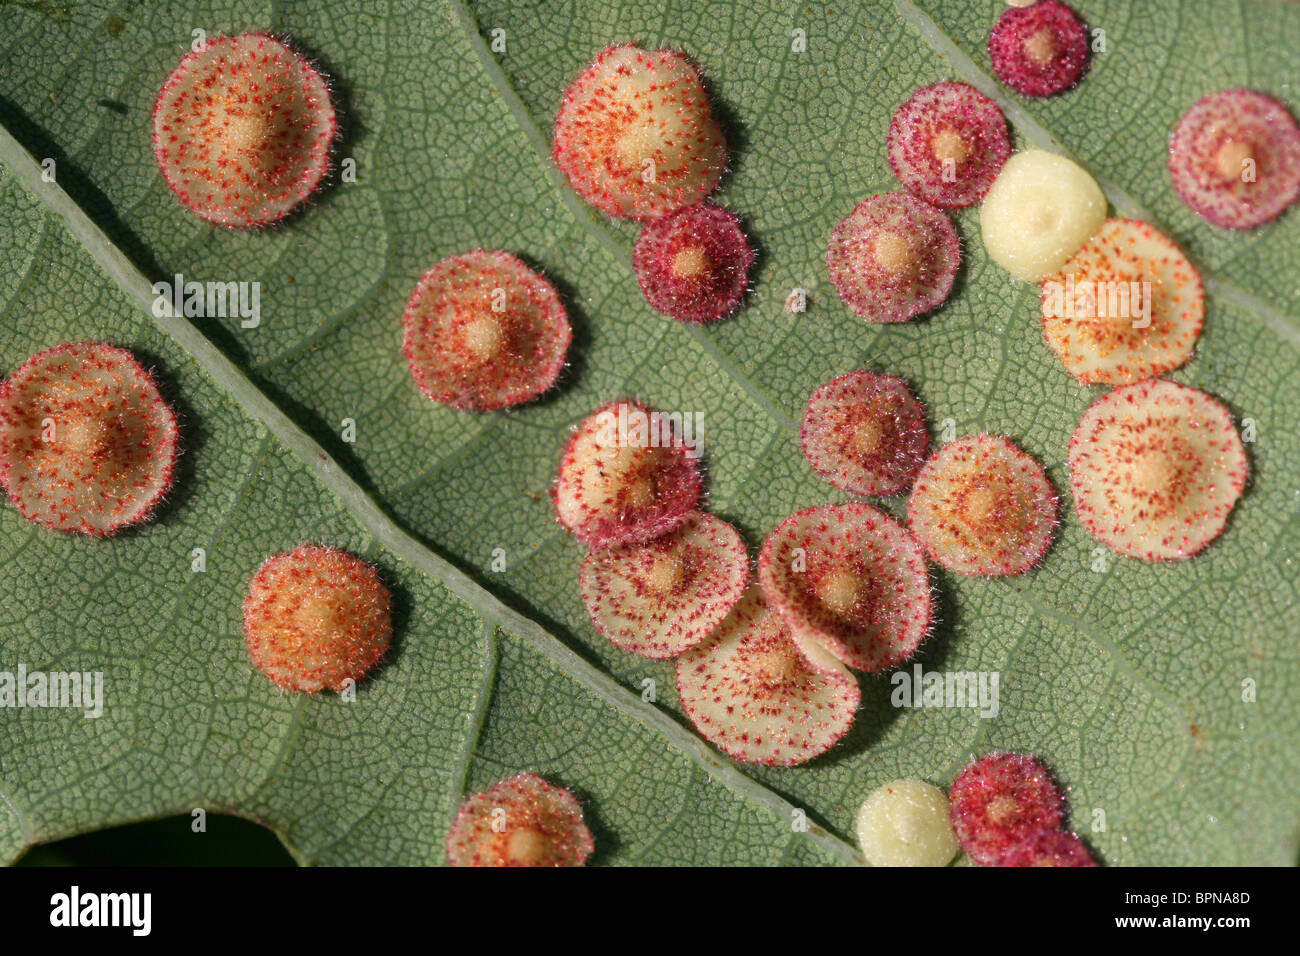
x: 896, y: 255
x: 662, y: 579
x: 1004, y: 809
x: 637, y: 138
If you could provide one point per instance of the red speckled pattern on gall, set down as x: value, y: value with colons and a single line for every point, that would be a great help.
x: 619, y: 489
x: 635, y: 134
x: 315, y: 618
x: 893, y: 258
x: 1099, y: 339
x: 1049, y: 848
x: 483, y: 331
x: 849, y: 580
x: 86, y: 442
x: 658, y: 598
x: 242, y: 130
x: 1156, y: 468
x: 521, y: 821
x: 1041, y: 49
x: 864, y: 432
x: 693, y: 264
x: 947, y: 144
x: 1234, y: 158
x: 983, y: 507
x: 1001, y: 803
x: 750, y: 691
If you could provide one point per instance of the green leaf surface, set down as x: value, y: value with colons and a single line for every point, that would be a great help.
x: 1127, y: 681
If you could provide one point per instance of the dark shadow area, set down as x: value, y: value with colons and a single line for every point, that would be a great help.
x: 606, y: 839
x: 192, y: 436
x: 326, y: 434
x: 171, y: 841
x: 934, y: 650
x: 401, y: 607
x: 874, y: 716
x: 575, y: 361
x: 963, y: 269
x: 733, y: 129
x: 756, y: 268
x: 349, y: 133
x: 72, y: 179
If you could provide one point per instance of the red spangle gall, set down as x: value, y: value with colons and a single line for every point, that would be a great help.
x: 317, y: 618
x: 636, y: 136
x: 1001, y: 803
x: 1234, y: 158
x: 521, y: 821
x: 983, y: 507
x: 693, y: 264
x: 87, y: 443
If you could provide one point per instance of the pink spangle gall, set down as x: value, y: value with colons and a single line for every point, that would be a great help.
x: 983, y: 507
x: 1125, y: 307
x: 661, y: 597
x: 626, y: 476
x: 893, y: 258
x: 1156, y: 469
x: 752, y: 692
x: 947, y: 144
x: 864, y: 432
x: 483, y: 331
x: 242, y: 130
x: 851, y: 583
x: 1234, y: 158
x: 1040, y: 49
